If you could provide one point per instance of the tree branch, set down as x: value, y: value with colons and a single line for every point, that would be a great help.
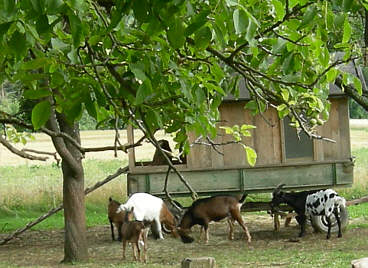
x: 19, y: 152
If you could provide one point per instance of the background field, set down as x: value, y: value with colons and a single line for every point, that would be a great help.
x: 28, y: 189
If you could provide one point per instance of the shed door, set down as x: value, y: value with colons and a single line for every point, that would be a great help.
x: 298, y: 146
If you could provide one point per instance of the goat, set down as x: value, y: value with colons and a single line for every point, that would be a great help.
x: 115, y: 218
x: 158, y: 158
x: 134, y: 233
x: 149, y: 208
x: 311, y: 203
x: 215, y: 208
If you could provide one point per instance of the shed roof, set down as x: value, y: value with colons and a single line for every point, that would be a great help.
x: 350, y: 67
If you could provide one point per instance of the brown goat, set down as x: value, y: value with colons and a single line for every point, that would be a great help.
x: 115, y: 218
x: 215, y: 208
x: 134, y: 232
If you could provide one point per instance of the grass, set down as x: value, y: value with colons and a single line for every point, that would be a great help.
x: 28, y: 191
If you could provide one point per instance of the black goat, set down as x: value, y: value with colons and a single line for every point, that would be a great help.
x: 311, y: 203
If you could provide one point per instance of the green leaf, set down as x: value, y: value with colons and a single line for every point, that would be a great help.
x: 285, y: 94
x: 8, y: 7
x: 53, y: 7
x: 74, y: 112
x: 251, y: 155
x: 175, y: 34
x: 76, y: 29
x: 347, y: 4
x: 141, y: 10
x: 18, y: 44
x: 197, y: 22
x: 91, y: 106
x: 4, y: 27
x: 331, y: 75
x: 202, y: 38
x: 217, y: 72
x: 42, y: 24
x: 308, y: 17
x: 35, y: 64
x: 324, y: 57
x: 36, y: 94
x: 251, y: 28
x: 40, y: 114
x: 228, y: 130
x: 143, y: 92
x: 138, y: 71
x: 213, y: 87
x: 279, y: 9
x: 288, y: 64
x: 240, y: 20
x: 37, y: 6
x: 357, y: 85
x: 347, y: 31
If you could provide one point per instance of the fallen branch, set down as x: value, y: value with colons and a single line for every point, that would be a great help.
x: 357, y: 201
x: 55, y: 210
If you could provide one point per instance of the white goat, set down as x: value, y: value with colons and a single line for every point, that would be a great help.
x: 149, y: 208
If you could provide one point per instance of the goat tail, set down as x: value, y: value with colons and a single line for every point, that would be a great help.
x: 242, y: 199
x: 110, y: 199
x: 185, y: 238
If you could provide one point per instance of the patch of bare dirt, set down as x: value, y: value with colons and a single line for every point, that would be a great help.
x: 45, y: 248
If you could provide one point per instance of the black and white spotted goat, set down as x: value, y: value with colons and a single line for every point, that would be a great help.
x: 311, y: 203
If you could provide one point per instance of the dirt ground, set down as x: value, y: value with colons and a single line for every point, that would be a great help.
x: 45, y: 248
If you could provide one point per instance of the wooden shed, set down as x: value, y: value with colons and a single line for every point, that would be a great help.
x: 282, y: 157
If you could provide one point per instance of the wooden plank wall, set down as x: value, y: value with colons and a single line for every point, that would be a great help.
x: 337, y: 128
x: 265, y: 140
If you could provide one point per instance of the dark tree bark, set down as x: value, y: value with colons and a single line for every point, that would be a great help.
x: 75, y: 244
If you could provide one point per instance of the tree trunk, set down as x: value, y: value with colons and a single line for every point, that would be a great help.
x: 75, y: 244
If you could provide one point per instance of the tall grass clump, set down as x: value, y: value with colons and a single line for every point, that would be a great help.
x: 360, y: 185
x: 39, y: 187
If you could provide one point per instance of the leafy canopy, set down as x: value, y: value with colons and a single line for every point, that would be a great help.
x: 169, y: 64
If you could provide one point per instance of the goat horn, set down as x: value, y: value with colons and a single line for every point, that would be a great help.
x: 278, y: 188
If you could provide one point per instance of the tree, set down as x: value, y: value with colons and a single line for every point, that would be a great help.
x: 165, y: 65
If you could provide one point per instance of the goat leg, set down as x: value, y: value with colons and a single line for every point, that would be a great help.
x: 206, y: 233
x: 120, y: 236
x: 302, y: 220
x: 245, y: 229
x: 159, y: 230
x: 201, y: 232
x: 124, y: 247
x: 144, y: 238
x: 230, y: 221
x: 139, y: 250
x: 134, y: 253
x: 112, y: 229
x: 337, y: 216
x: 329, y: 227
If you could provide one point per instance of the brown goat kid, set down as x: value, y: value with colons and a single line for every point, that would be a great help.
x: 134, y: 232
x: 115, y: 218
x: 215, y: 208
